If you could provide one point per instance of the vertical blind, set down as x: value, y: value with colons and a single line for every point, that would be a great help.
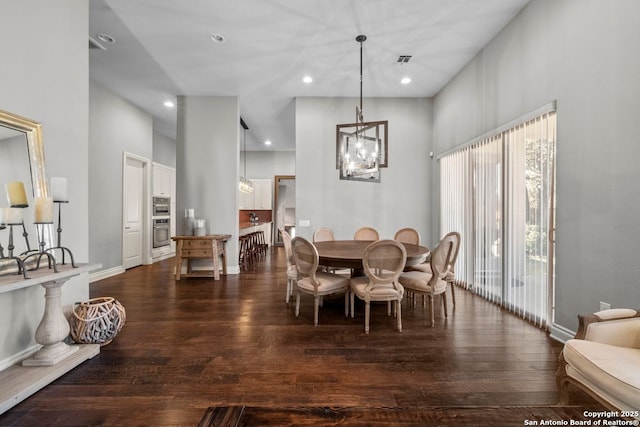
x: 498, y: 193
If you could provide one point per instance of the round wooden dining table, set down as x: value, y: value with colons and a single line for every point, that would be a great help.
x: 349, y: 253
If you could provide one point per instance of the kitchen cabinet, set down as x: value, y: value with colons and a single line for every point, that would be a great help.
x: 260, y: 198
x: 164, y: 181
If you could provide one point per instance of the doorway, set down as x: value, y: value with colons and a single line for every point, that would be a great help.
x: 135, y: 211
x: 284, y: 207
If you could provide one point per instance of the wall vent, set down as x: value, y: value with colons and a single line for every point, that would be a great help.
x: 403, y: 59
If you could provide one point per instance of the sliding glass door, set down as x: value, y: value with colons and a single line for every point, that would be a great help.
x: 499, y: 194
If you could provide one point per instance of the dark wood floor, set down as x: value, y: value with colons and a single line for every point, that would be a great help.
x: 197, y: 343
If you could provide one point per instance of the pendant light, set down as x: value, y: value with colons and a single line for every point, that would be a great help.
x: 245, y: 185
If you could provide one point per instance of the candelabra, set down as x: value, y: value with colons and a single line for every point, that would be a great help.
x: 21, y: 269
x: 59, y: 239
x: 42, y: 252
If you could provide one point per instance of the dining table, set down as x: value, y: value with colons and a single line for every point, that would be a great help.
x: 349, y: 253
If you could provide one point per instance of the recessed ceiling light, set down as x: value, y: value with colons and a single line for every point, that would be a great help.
x: 106, y: 38
x: 169, y: 104
x: 405, y: 80
x: 218, y: 38
x: 267, y: 142
x: 307, y: 79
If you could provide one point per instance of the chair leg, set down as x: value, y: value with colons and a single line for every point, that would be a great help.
x: 297, y: 303
x: 388, y: 308
x: 433, y: 320
x: 346, y: 303
x: 352, y: 296
x: 399, y: 314
x: 316, y: 308
x: 444, y: 303
x: 367, y: 314
x: 453, y: 293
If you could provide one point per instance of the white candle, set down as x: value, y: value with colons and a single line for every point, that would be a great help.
x: 10, y: 216
x: 59, y: 189
x: 44, y: 210
x: 16, y: 194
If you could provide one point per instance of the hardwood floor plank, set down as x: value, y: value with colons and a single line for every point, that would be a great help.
x: 199, y: 343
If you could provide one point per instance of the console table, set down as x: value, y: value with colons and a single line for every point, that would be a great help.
x: 54, y: 358
x: 209, y: 247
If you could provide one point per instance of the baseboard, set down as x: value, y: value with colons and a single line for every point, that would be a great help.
x: 560, y: 333
x: 103, y: 274
x: 18, y: 357
x: 163, y: 257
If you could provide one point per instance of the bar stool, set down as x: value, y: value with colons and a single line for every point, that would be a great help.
x: 244, y: 254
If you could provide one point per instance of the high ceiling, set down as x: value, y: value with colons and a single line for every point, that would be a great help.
x: 163, y: 48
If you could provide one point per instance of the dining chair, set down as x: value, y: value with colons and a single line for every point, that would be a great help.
x: 451, y: 276
x: 292, y: 271
x: 314, y: 282
x: 407, y: 235
x: 383, y: 262
x: 366, y: 233
x: 323, y: 234
x: 431, y: 283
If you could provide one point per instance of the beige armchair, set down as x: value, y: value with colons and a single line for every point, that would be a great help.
x: 383, y: 261
x: 292, y: 271
x: 366, y: 233
x: 433, y: 282
x: 604, y: 361
x: 314, y: 282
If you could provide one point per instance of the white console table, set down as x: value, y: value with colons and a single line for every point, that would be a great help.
x: 55, y: 357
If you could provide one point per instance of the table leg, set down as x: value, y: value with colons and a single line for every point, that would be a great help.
x: 52, y: 330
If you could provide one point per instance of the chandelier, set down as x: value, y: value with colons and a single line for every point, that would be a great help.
x: 361, y: 147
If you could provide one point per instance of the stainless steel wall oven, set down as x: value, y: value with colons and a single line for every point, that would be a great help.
x: 161, y: 206
x: 161, y: 232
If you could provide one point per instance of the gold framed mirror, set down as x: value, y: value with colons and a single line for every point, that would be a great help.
x: 22, y: 159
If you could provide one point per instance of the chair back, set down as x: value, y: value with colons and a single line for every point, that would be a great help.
x: 454, y: 250
x: 323, y: 234
x: 306, y: 258
x: 383, y: 262
x: 407, y: 235
x: 286, y: 239
x: 366, y: 233
x: 440, y: 257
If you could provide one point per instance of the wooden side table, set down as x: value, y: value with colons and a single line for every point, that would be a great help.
x: 200, y: 247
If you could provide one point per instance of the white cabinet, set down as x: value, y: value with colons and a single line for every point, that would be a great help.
x: 164, y: 181
x: 260, y: 198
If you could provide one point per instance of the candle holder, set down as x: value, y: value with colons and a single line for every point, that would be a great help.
x: 21, y: 269
x: 59, y: 240
x: 42, y: 252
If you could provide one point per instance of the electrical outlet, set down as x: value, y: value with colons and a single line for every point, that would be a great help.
x: 604, y: 306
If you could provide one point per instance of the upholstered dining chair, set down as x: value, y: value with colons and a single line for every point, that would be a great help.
x: 323, y: 234
x: 292, y: 271
x: 383, y: 262
x: 314, y: 282
x: 366, y: 233
x: 431, y: 283
x: 407, y: 235
x: 451, y: 275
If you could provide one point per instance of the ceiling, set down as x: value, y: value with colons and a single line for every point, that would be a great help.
x: 163, y: 49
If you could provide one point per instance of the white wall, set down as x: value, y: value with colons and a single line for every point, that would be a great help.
x: 267, y: 164
x: 164, y: 149
x: 45, y: 78
x: 401, y: 199
x: 115, y: 126
x: 207, y: 154
x: 582, y: 54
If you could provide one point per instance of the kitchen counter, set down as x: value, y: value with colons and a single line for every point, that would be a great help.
x: 264, y: 226
x: 244, y: 225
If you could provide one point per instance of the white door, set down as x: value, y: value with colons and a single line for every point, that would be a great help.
x: 133, y: 212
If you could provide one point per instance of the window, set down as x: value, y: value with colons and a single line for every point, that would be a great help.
x: 498, y: 192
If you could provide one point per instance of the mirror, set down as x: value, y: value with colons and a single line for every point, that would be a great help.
x: 22, y: 159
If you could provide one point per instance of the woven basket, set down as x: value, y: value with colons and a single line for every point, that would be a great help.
x: 97, y: 321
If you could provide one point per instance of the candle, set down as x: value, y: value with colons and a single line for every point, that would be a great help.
x: 59, y: 189
x: 44, y: 210
x: 10, y: 216
x: 16, y: 194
